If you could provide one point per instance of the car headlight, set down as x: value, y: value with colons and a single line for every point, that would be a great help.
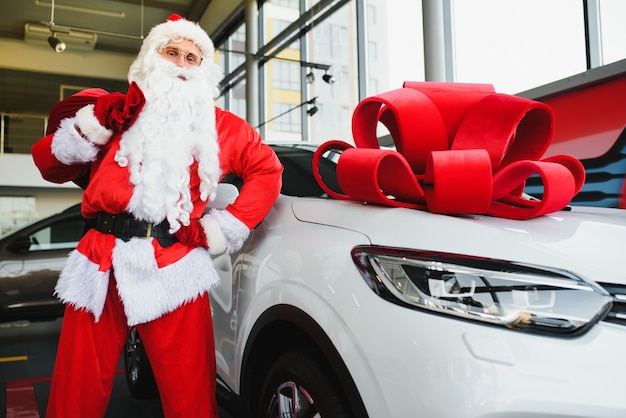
x: 513, y: 295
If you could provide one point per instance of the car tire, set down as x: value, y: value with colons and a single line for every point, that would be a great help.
x: 301, y: 377
x: 139, y: 376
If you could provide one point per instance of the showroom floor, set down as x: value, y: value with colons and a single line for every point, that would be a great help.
x: 27, y: 352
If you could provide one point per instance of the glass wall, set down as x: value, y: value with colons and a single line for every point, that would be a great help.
x: 333, y: 42
x: 518, y: 45
x: 281, y: 109
x: 311, y: 82
x: 515, y: 45
x: 613, y: 30
x: 234, y: 96
x: 394, y: 50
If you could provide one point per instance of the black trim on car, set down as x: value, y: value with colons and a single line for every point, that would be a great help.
x: 617, y: 314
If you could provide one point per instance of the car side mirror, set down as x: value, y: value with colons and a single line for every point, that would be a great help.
x: 20, y: 244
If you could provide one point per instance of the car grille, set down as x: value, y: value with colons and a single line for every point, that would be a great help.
x: 617, y: 315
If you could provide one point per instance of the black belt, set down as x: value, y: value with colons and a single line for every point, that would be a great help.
x: 125, y: 227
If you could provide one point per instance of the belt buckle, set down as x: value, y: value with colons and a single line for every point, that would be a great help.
x: 149, y: 229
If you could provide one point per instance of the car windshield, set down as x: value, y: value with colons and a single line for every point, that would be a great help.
x: 298, y: 179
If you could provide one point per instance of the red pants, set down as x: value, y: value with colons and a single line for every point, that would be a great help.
x: 180, y: 347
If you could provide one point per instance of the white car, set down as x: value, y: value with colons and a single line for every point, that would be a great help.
x: 343, y: 309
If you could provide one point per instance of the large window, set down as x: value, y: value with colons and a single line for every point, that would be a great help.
x: 287, y: 118
x: 373, y: 46
x: 285, y: 75
x: 613, y: 30
x: 517, y: 45
x: 230, y: 56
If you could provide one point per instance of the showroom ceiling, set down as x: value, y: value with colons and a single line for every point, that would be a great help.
x: 106, y: 25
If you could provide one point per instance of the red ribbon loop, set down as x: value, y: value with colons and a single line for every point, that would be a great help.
x: 458, y: 182
x: 461, y: 149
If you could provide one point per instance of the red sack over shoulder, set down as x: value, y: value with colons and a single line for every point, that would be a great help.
x: 118, y: 111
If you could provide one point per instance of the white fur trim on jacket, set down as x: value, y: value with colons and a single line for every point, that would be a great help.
x: 71, y: 148
x: 90, y: 126
x: 147, y: 291
x: 82, y: 285
x: 224, y: 232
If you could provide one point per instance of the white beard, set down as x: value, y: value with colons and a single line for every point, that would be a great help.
x: 176, y: 126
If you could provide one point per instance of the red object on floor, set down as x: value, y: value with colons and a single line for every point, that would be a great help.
x: 20, y: 396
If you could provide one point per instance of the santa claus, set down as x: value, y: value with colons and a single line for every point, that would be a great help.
x: 149, y: 161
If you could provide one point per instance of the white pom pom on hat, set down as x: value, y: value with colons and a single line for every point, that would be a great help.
x: 177, y: 26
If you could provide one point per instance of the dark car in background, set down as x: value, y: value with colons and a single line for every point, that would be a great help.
x: 30, y: 261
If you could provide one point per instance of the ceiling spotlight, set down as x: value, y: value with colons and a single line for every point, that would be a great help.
x: 310, y: 77
x: 328, y: 78
x: 56, y: 44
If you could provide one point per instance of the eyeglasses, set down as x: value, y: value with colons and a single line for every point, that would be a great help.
x: 173, y: 52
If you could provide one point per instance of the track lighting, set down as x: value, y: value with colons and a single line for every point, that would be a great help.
x: 56, y: 44
x: 313, y: 109
x: 310, y: 77
x: 328, y: 78
x: 77, y: 37
x: 229, y: 81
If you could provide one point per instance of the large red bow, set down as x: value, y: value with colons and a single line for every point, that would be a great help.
x: 461, y: 149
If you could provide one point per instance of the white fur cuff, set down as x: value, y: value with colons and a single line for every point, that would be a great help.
x: 69, y: 147
x: 224, y: 232
x: 90, y: 126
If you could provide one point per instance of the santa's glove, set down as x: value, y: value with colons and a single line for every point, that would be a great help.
x: 218, y: 230
x: 113, y: 112
x: 68, y: 146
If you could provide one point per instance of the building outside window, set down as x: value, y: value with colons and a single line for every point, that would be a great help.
x: 289, y: 121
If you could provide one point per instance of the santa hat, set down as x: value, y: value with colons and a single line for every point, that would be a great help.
x: 175, y: 28
x: 178, y: 27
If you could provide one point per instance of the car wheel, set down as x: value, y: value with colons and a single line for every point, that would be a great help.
x: 139, y: 376
x: 298, y: 386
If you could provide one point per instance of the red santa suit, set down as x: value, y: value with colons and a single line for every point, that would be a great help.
x: 111, y: 282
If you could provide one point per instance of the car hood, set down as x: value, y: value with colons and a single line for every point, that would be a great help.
x: 586, y: 241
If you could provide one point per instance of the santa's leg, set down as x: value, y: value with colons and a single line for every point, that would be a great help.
x: 181, y: 351
x: 86, y: 361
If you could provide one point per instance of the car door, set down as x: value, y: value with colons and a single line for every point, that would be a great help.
x: 30, y: 262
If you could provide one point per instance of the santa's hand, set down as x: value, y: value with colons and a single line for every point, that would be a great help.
x: 218, y: 230
x: 113, y: 112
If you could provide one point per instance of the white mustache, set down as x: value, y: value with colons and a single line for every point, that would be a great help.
x: 183, y: 73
